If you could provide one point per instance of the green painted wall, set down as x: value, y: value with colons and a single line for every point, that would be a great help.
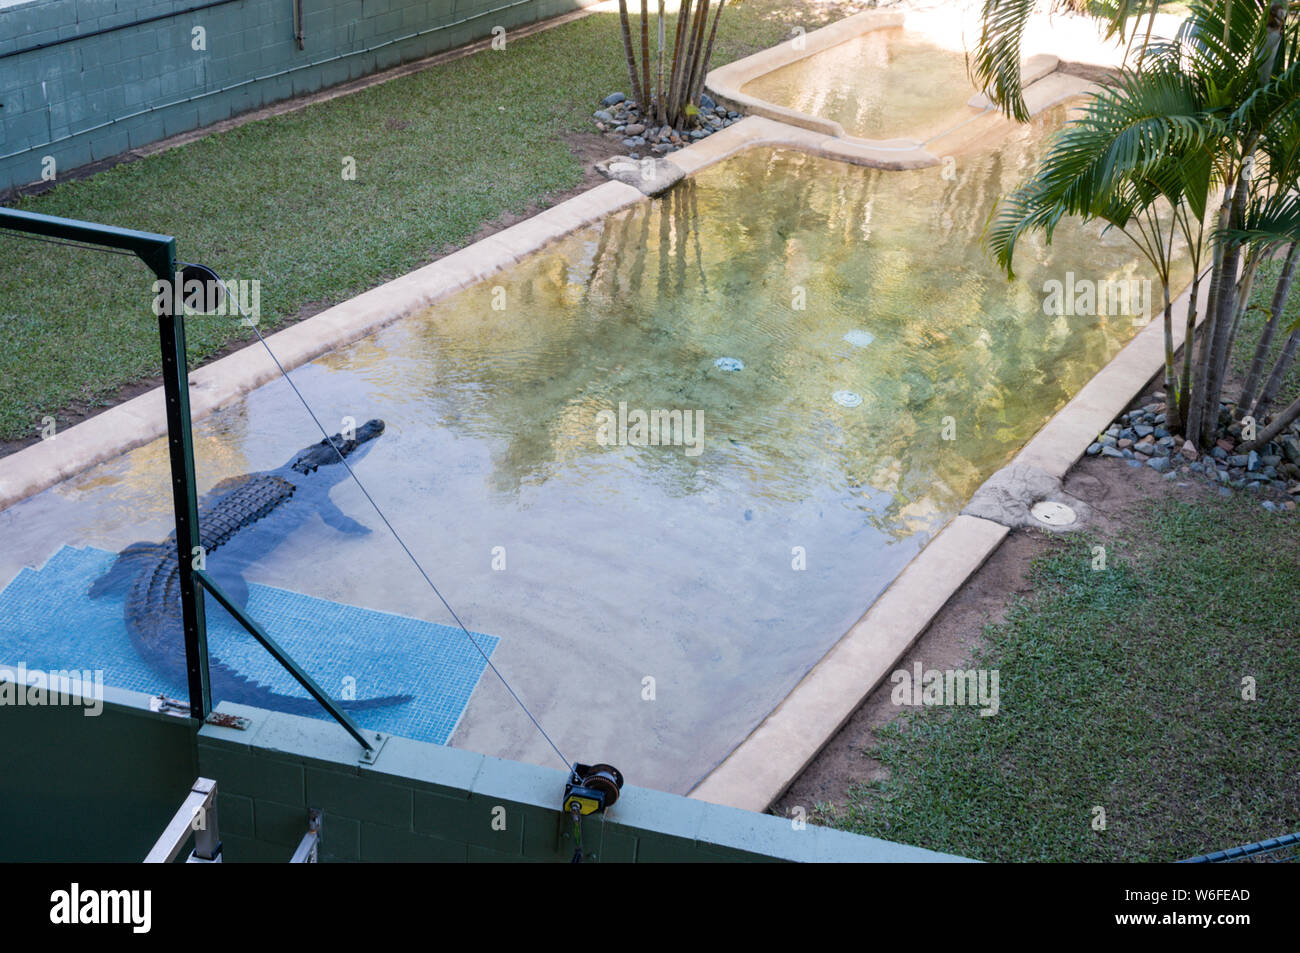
x: 78, y: 788
x: 422, y: 802
x: 101, y: 788
x: 98, y: 96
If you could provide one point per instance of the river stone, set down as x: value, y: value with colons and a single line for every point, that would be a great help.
x: 613, y: 99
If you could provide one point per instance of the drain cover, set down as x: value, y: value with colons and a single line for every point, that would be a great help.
x: 729, y: 364
x: 846, y: 398
x: 859, y: 338
x: 1052, y: 513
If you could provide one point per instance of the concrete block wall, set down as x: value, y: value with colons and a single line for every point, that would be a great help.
x: 94, y: 789
x: 423, y: 802
x: 117, y: 84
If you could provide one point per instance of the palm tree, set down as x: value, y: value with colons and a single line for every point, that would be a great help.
x: 1213, y: 109
x: 638, y: 94
x: 677, y: 103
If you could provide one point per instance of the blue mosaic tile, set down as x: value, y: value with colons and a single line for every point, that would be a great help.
x: 48, y: 622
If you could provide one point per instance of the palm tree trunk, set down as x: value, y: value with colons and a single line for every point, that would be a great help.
x: 1274, y: 383
x: 1189, y: 338
x: 1280, y: 423
x: 1280, y: 294
x: 708, y: 54
x: 1245, y: 289
x: 697, y: 50
x: 627, y: 49
x: 659, y: 89
x: 1173, y: 422
x: 679, y: 61
x: 1225, y: 308
x: 645, y: 60
x: 1196, y: 421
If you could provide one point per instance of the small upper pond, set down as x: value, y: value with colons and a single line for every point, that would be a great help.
x: 883, y: 84
x: 854, y: 367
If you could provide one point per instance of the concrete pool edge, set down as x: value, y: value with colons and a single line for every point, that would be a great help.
x: 726, y: 85
x: 767, y: 762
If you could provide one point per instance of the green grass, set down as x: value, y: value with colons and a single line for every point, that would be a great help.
x: 1120, y: 689
x: 438, y: 154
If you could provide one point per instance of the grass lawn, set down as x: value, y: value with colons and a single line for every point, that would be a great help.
x: 1120, y: 689
x: 438, y: 154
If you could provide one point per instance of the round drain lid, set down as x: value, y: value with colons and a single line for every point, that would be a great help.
x: 729, y: 364
x: 860, y: 338
x: 846, y: 398
x: 1052, y: 513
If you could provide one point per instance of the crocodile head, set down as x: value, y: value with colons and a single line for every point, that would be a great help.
x: 324, y: 454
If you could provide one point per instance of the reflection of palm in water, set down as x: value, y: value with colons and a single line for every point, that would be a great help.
x: 638, y: 308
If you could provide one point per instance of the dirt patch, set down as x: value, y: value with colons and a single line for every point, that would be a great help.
x: 1113, y: 490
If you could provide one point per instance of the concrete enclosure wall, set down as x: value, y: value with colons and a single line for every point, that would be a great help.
x: 85, y: 80
x: 81, y: 788
x: 423, y: 802
x: 75, y: 787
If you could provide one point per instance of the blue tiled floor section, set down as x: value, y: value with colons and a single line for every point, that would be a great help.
x: 48, y: 622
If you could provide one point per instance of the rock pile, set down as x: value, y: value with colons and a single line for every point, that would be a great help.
x: 1139, y: 438
x: 622, y: 119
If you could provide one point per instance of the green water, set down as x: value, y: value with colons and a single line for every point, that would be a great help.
x: 880, y: 85
x: 723, y: 575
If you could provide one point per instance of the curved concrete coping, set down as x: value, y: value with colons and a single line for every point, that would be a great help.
x: 759, y: 770
x: 726, y: 84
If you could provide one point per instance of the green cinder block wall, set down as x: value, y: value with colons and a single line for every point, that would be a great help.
x: 420, y: 802
x: 77, y: 788
x: 120, y: 84
x: 90, y: 789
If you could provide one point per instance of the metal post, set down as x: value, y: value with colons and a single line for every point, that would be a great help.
x: 370, y: 745
x: 180, y: 447
x: 159, y: 253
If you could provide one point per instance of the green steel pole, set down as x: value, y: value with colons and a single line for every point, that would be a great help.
x: 159, y: 253
x: 180, y: 447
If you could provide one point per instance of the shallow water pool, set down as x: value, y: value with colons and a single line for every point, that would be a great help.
x: 883, y: 84
x: 654, y: 602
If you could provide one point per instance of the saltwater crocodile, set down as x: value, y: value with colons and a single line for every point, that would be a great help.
x: 240, y: 520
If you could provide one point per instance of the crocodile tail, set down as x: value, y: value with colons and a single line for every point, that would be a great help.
x: 229, y: 685
x: 125, y: 567
x: 365, y: 704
